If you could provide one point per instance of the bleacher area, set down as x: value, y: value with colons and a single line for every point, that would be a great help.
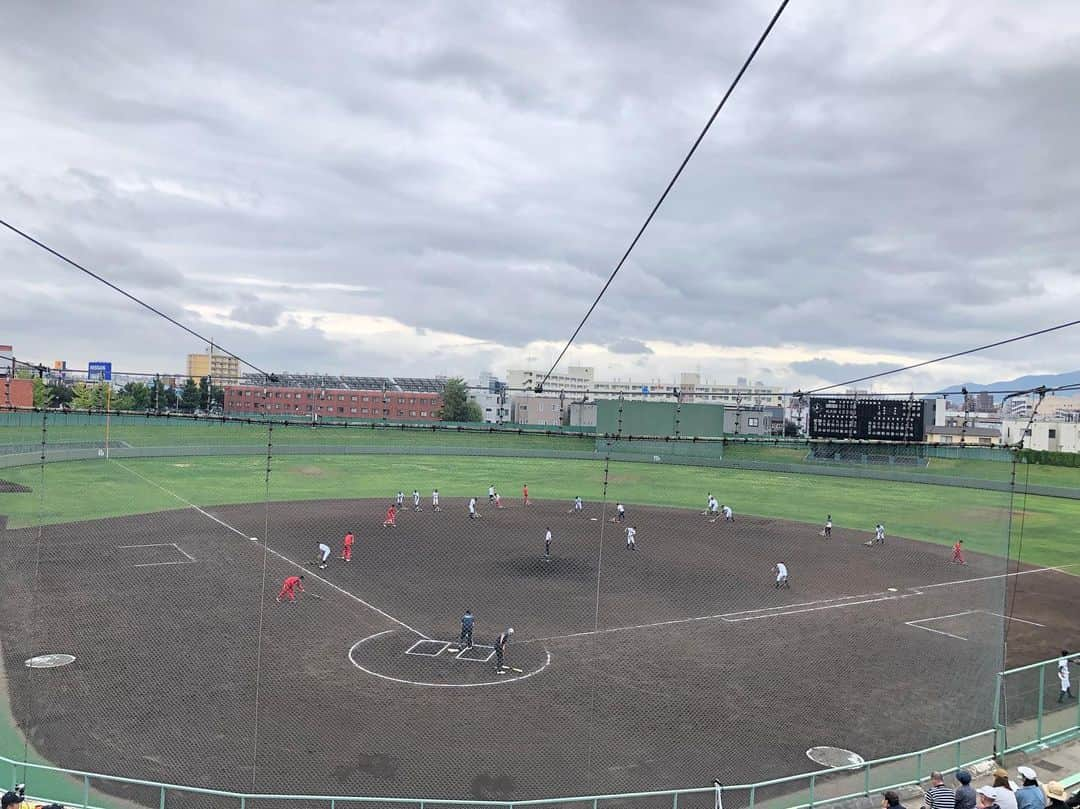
x: 367, y: 383
x: 874, y: 456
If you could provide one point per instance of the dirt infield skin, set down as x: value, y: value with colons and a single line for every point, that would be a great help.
x: 680, y: 663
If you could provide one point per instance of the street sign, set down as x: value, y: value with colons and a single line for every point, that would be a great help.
x: 99, y: 371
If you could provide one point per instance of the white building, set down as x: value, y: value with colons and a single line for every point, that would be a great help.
x: 578, y: 380
x: 1045, y: 436
x: 490, y: 394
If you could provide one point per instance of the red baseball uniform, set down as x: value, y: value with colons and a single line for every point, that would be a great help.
x: 391, y: 516
x: 958, y: 553
x: 289, y: 587
x: 525, y: 494
x: 347, y: 552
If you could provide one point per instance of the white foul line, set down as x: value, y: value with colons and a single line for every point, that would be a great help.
x: 161, y: 545
x: 781, y: 610
x: 158, y: 564
x: 307, y: 573
x: 935, y: 631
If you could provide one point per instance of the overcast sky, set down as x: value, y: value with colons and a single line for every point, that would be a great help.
x: 413, y: 188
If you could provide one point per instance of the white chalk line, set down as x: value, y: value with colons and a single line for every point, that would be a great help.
x: 918, y: 623
x: 307, y: 573
x: 797, y: 609
x: 190, y: 559
x: 403, y: 681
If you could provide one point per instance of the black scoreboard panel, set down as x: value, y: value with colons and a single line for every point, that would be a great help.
x: 872, y: 419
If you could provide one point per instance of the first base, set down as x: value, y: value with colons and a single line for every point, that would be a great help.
x: 254, y: 539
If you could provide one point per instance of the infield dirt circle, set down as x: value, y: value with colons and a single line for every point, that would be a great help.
x: 664, y: 666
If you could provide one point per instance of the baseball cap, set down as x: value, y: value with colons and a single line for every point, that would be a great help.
x: 987, y: 792
x: 1026, y: 773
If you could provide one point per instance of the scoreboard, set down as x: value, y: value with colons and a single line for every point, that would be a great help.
x: 866, y: 418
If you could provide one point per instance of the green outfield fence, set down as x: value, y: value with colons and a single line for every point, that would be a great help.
x: 1035, y: 720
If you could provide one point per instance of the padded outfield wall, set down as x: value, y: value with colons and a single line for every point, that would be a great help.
x: 623, y: 417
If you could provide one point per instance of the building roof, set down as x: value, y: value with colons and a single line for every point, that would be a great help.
x: 978, y: 432
x: 311, y: 381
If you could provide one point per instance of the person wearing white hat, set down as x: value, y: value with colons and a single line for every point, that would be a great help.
x: 987, y: 797
x: 500, y: 648
x: 1030, y: 795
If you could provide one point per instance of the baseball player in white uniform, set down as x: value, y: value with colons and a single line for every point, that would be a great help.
x: 435, y: 501
x: 781, y: 576
x: 631, y: 532
x: 324, y: 554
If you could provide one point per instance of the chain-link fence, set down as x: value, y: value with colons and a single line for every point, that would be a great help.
x: 682, y: 610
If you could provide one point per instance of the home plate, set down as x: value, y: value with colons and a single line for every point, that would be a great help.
x: 254, y: 539
x: 593, y: 519
x: 892, y: 589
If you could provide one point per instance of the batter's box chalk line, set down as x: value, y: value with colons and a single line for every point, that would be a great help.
x: 356, y: 648
x: 477, y: 653
x: 427, y: 648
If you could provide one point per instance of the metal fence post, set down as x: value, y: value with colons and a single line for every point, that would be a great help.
x: 243, y: 802
x: 675, y: 800
x: 85, y: 791
x: 813, y: 779
x: 1042, y: 701
x: 753, y: 795
x: 866, y: 779
x: 918, y: 766
x: 161, y: 798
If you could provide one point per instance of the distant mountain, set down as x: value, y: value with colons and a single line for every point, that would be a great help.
x: 1020, y: 383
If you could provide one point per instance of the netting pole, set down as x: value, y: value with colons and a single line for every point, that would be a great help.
x: 1042, y: 702
x: 262, y: 609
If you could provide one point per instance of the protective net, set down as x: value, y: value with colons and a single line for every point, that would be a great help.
x: 683, y: 610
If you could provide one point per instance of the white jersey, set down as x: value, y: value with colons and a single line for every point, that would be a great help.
x: 435, y: 498
x: 630, y: 534
x: 621, y: 509
x: 577, y: 504
x: 727, y: 512
x: 472, y: 505
x: 1063, y: 675
x: 324, y: 550
x: 491, y: 491
x: 400, y: 498
x: 781, y: 571
x: 880, y: 531
x: 547, y: 537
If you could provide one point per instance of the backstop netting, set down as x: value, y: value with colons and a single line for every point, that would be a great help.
x: 656, y: 643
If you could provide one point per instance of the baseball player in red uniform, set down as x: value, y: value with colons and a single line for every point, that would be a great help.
x: 525, y: 493
x: 346, y: 552
x: 290, y: 587
x: 391, y: 517
x: 958, y: 553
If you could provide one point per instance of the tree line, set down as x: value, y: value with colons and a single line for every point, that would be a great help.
x: 136, y: 396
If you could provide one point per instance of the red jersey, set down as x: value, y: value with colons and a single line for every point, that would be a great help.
x: 291, y: 582
x: 391, y: 513
x: 348, y: 539
x: 525, y: 492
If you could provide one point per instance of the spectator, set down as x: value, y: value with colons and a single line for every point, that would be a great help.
x: 14, y: 796
x: 939, y: 796
x: 1056, y: 793
x: 890, y: 800
x: 987, y: 797
x: 965, y: 795
x: 1003, y: 789
x: 1030, y: 795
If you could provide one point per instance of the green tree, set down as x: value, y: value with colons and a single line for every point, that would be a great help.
x: 89, y: 397
x: 159, y: 395
x: 40, y: 394
x: 457, y: 406
x: 132, y: 396
x: 190, y: 397
x: 210, y: 396
x: 57, y: 394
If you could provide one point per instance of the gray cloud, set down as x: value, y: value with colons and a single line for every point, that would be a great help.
x: 628, y: 345
x: 830, y: 371
x: 888, y: 179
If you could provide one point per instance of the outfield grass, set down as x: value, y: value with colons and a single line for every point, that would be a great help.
x: 93, y: 489
x: 24, y: 431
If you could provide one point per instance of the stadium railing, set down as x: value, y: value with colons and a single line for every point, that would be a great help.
x: 1026, y: 711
